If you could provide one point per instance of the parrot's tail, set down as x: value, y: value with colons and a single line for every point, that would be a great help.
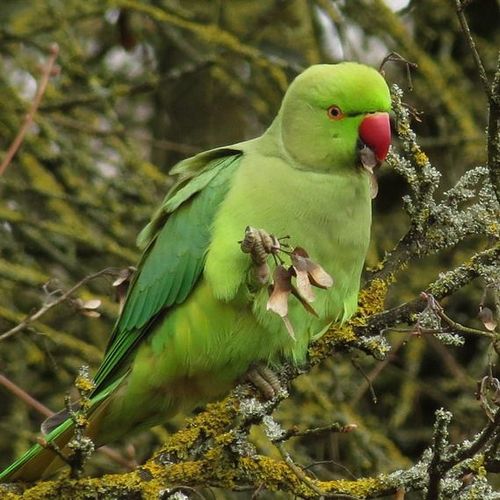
x: 41, y: 460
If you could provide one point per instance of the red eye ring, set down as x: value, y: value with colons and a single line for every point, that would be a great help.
x: 335, y: 113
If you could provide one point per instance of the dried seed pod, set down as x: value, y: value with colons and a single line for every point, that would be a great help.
x: 486, y: 316
x: 91, y: 304
x: 302, y: 281
x: 316, y: 274
x: 122, y: 283
x: 278, y: 300
x: 307, y: 306
x: 282, y: 286
x: 319, y: 277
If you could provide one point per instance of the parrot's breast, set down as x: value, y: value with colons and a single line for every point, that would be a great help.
x: 328, y: 214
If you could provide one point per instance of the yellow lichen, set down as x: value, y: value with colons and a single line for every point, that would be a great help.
x: 372, y: 298
x: 476, y: 465
x: 84, y: 384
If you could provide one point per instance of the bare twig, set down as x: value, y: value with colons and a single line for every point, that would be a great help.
x: 370, y: 377
x: 492, y: 92
x: 395, y: 57
x: 301, y: 475
x: 334, y: 427
x: 47, y: 307
x: 460, y: 6
x: 47, y: 73
x: 25, y: 397
x: 494, y: 132
x: 52, y: 446
x: 458, y: 327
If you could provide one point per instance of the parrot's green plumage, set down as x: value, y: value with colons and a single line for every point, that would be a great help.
x: 191, y: 327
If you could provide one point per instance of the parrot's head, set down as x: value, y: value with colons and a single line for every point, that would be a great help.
x: 336, y: 117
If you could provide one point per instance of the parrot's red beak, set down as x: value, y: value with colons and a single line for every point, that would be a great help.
x: 375, y: 132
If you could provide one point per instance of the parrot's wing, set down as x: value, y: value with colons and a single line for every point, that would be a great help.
x: 176, y: 241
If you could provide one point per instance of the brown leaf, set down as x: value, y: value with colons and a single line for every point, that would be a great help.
x: 486, y: 316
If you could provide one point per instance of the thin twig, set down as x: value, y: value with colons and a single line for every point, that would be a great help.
x: 370, y: 377
x: 472, y: 46
x: 494, y: 132
x: 24, y: 396
x: 395, y: 57
x: 333, y: 427
x: 493, y: 94
x: 301, y: 475
x: 52, y: 446
x: 47, y: 73
x: 462, y: 328
x: 47, y: 307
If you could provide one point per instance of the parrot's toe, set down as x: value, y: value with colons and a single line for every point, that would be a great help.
x: 265, y: 380
x: 259, y: 244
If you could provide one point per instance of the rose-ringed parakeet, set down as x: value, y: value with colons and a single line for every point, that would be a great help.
x: 194, y: 322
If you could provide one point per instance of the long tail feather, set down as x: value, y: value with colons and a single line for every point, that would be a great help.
x: 33, y: 464
x: 41, y: 461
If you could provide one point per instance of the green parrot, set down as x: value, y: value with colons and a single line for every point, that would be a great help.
x: 198, y: 316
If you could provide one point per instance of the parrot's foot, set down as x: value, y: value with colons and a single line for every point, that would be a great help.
x: 265, y: 380
x: 260, y: 244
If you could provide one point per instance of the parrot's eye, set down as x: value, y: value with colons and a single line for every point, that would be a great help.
x: 335, y: 113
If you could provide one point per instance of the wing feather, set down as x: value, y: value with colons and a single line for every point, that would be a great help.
x: 172, y: 261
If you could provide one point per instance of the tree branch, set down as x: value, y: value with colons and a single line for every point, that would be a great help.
x: 42, y: 86
x: 63, y: 297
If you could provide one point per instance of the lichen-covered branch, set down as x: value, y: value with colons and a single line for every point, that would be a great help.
x: 444, y: 286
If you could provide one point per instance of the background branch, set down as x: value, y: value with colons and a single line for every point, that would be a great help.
x: 47, y: 72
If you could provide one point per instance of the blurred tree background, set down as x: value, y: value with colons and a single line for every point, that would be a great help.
x: 144, y: 83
